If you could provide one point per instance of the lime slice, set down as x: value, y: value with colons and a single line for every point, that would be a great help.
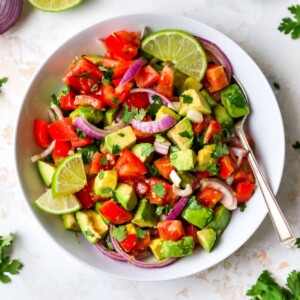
x: 59, y: 205
x: 180, y: 48
x: 69, y: 177
x: 54, y: 5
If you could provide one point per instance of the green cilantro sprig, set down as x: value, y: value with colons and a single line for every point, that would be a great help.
x: 220, y: 149
x: 2, y: 81
x: 155, y: 106
x: 127, y: 115
x: 187, y: 99
x: 159, y: 189
x: 119, y: 233
x: 296, y: 145
x: 291, y: 25
x: 140, y: 233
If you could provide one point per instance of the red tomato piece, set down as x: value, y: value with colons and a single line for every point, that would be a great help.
x: 164, y: 166
x: 109, y: 63
x: 114, y: 96
x: 170, y: 230
x: 202, y: 174
x: 213, y: 128
x: 166, y: 76
x: 244, y: 172
x: 129, y: 166
x: 216, y: 77
x: 114, y: 213
x: 166, y: 90
x: 158, y: 197
x: 209, y: 197
x: 129, y: 243
x: 41, y: 134
x: 244, y: 191
x: 95, y: 163
x: 93, y: 100
x: 67, y: 101
x: 60, y: 151
x: 116, y: 81
x: 198, y: 127
x: 62, y: 130
x: 142, y: 244
x: 82, y: 142
x: 146, y: 77
x: 191, y: 230
x: 121, y: 68
x: 140, y: 188
x: 226, y: 167
x: 138, y: 100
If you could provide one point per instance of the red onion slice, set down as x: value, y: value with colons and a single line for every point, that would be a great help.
x: 182, y: 193
x: 45, y: 153
x: 161, y: 147
x: 10, y: 11
x: 177, y: 209
x: 57, y: 111
x: 240, y: 153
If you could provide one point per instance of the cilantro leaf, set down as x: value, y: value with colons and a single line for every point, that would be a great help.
x: 155, y: 106
x: 83, y: 75
x: 139, y: 116
x: 101, y: 174
x: 147, y: 150
x: 89, y: 233
x: 80, y: 133
x: 115, y: 149
x: 161, y: 209
x: 159, y: 189
x: 108, y: 242
x: 114, y: 100
x: 296, y: 145
x: 298, y: 242
x: 242, y: 206
x: 276, y: 85
x: 65, y: 91
x: 119, y: 233
x: 293, y: 282
x: 54, y: 100
x: 107, y: 190
x: 220, y: 149
x: 151, y: 170
x: 127, y: 115
x: 291, y: 25
x: 87, y: 153
x: 140, y: 233
x: 185, y: 134
x: 213, y: 169
x: 2, y: 81
x: 103, y: 161
x: 187, y: 99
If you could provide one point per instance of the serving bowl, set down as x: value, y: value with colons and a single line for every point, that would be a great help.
x: 265, y: 126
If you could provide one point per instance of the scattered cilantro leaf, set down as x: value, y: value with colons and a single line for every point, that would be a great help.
x: 108, y: 242
x: 159, y: 189
x: 65, y: 91
x: 198, y: 142
x: 185, y: 134
x: 220, y: 149
x: 114, y: 100
x: 155, y: 106
x: 187, y: 99
x: 161, y: 209
x: 140, y: 115
x: 147, y: 150
x: 225, y: 132
x: 80, y: 133
x: 119, y: 233
x: 140, y: 233
x: 2, y: 81
x: 296, y: 145
x: 213, y: 169
x: 103, y: 161
x: 54, y: 100
x: 101, y: 174
x: 276, y: 85
x: 115, y: 149
x: 298, y: 242
x: 127, y: 115
x: 121, y: 134
x: 152, y: 171
x: 89, y: 233
x: 101, y: 68
x: 291, y: 25
x: 107, y: 190
x: 83, y: 75
x: 87, y: 152
x: 293, y: 283
x: 108, y: 75
x: 242, y: 206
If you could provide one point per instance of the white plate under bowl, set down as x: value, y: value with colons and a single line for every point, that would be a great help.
x: 265, y: 126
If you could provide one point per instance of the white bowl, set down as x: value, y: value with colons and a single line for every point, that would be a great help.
x: 265, y: 126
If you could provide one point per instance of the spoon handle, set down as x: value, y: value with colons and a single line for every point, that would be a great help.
x: 285, y: 234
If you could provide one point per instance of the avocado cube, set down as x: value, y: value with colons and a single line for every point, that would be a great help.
x: 207, y: 238
x: 95, y: 59
x: 120, y: 139
x: 155, y: 247
x: 164, y: 110
x: 90, y: 113
x: 69, y: 222
x: 183, y: 160
x: 205, y: 160
x: 46, y: 170
x: 182, y: 134
x: 190, y: 83
x: 234, y: 101
x: 110, y: 115
x: 145, y: 215
x: 186, y: 178
x: 209, y: 99
x: 126, y: 196
x: 179, y: 248
x: 220, y: 220
x: 96, y: 208
x: 141, y: 151
x: 105, y: 183
x: 179, y: 79
x: 130, y: 228
x: 222, y: 116
x: 197, y: 214
x: 91, y: 225
x: 192, y: 99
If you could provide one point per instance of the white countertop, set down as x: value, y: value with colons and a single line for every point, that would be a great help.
x: 48, y: 272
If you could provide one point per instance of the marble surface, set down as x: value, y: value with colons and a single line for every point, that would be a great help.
x: 48, y: 272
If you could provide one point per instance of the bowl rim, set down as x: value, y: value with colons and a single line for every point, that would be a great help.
x: 36, y: 74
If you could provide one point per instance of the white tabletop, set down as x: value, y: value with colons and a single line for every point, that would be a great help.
x: 48, y: 272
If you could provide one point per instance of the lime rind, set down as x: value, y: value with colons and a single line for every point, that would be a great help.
x: 180, y: 48
x: 54, y: 5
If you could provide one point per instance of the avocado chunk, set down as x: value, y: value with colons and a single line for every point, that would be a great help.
x: 197, y: 214
x: 186, y: 178
x: 155, y: 247
x: 142, y: 151
x: 121, y: 139
x: 222, y: 116
x: 69, y: 222
x: 130, y: 228
x: 210, y: 100
x: 183, y: 160
x: 182, y: 134
x: 95, y: 59
x: 145, y: 215
x: 190, y: 83
x: 207, y: 238
x: 110, y: 115
x: 179, y: 248
x: 234, y: 101
x: 164, y: 110
x: 192, y: 99
x: 105, y: 183
x: 91, y: 225
x: 90, y: 113
x: 220, y: 220
x: 126, y: 196
x: 205, y: 160
x: 46, y: 170
x: 96, y: 208
x: 179, y: 79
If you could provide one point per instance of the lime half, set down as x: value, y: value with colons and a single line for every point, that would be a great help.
x: 180, y: 48
x: 54, y: 5
x: 69, y: 177
x: 59, y: 205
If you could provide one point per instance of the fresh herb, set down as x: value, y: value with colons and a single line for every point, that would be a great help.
x: 114, y: 100
x: 161, y: 209
x: 87, y: 153
x: 119, y: 233
x: 213, y: 169
x: 219, y: 149
x: 83, y: 75
x: 121, y: 134
x: 291, y: 25
x: 103, y: 161
x: 159, y: 189
x: 89, y: 233
x: 107, y: 190
x: 187, y: 98
x: 155, y: 106
x: 158, y: 68
x: 266, y: 288
x: 115, y: 149
x: 242, y: 206
x: 147, y: 150
x: 2, y: 81
x: 7, y: 266
x: 174, y: 148
x: 198, y: 142
x: 276, y: 86
x: 101, y: 68
x: 225, y: 132
x: 185, y: 134
x: 139, y: 116
x: 101, y: 174
x: 54, y: 100
x: 108, y: 242
x: 140, y: 233
x: 127, y: 115
x: 296, y: 145
x: 65, y: 91
x: 152, y: 171
x: 108, y: 75
x: 298, y: 242
x: 80, y: 133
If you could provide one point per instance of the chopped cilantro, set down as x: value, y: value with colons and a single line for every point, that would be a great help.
x: 185, y: 134
x: 65, y: 91
x: 114, y: 100
x: 159, y: 189
x: 245, y: 167
x: 80, y: 133
x: 115, y: 149
x: 121, y: 134
x: 87, y: 152
x: 147, y: 150
x: 187, y: 99
x: 54, y: 100
x: 155, y: 106
x: 213, y: 169
x: 298, y: 242
x: 152, y: 171
x: 296, y: 145
x: 225, y: 132
x: 140, y: 233
x: 103, y: 161
x: 291, y: 25
x: 198, y: 142
x: 83, y: 75
x: 101, y: 68
x: 108, y: 242
x: 101, y: 174
x: 161, y: 209
x: 119, y: 233
x: 108, y: 75
x: 107, y: 190
x: 276, y: 86
x: 242, y: 206
x: 128, y: 115
x: 2, y: 81
x: 139, y: 116
x: 89, y: 233
x: 219, y: 149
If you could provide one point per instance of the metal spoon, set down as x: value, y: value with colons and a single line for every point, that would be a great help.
x: 285, y: 234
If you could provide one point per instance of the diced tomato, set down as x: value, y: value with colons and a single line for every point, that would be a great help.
x: 171, y: 198
x: 244, y: 172
x: 146, y: 77
x: 121, y: 68
x: 60, y: 151
x: 213, y: 128
x: 202, y: 174
x: 129, y: 243
x: 114, y: 213
x: 138, y: 100
x: 166, y: 90
x: 198, y: 127
x: 140, y: 188
x: 216, y: 77
x: 164, y: 166
x: 209, y: 197
x: 244, y: 191
x: 191, y: 230
x: 109, y: 54
x: 124, y: 44
x: 226, y: 167
x: 158, y: 198
x: 93, y: 100
x: 142, y: 244
x: 102, y: 162
x: 114, y: 96
x: 170, y: 230
x: 109, y: 63
x: 67, y: 101
x: 95, y: 163
x: 116, y: 81
x: 166, y: 76
x: 129, y: 166
x: 62, y: 130
x: 83, y: 76
x: 41, y: 134
x: 82, y: 142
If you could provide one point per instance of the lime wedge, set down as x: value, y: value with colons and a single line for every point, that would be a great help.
x: 180, y: 48
x: 54, y: 5
x: 59, y: 205
x: 69, y: 177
